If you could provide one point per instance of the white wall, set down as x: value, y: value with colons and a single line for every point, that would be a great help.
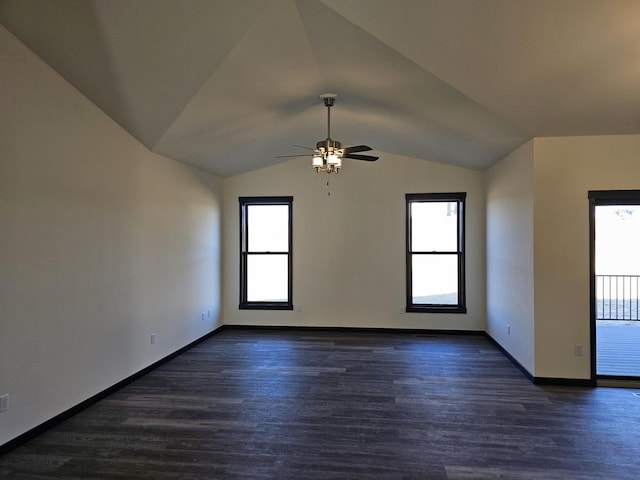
x: 565, y: 169
x: 510, y: 292
x: 538, y: 245
x: 349, y: 248
x: 101, y: 244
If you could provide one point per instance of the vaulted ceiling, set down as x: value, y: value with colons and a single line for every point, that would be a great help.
x: 227, y: 85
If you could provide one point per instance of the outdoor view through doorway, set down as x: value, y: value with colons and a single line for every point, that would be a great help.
x: 617, y: 288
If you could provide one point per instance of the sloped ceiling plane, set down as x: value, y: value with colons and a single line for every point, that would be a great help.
x: 227, y: 85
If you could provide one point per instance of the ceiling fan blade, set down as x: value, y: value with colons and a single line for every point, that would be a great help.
x: 293, y: 156
x: 357, y: 148
x: 366, y: 158
x: 307, y: 148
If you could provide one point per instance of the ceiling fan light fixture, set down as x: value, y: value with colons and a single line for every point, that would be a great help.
x: 318, y: 163
x: 333, y: 159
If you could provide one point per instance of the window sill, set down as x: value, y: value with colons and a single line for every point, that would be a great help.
x: 435, y: 309
x: 265, y: 306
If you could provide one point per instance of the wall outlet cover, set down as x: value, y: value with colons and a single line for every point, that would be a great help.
x: 4, y: 403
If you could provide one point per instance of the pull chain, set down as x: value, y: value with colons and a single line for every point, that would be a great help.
x: 328, y: 187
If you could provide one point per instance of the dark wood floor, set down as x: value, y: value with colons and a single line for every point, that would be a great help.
x: 295, y: 404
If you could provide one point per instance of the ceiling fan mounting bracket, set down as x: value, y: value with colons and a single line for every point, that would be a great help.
x: 329, y: 99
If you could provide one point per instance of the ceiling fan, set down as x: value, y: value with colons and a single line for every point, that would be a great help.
x: 328, y: 154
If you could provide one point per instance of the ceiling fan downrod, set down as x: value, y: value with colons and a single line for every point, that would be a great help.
x: 329, y: 99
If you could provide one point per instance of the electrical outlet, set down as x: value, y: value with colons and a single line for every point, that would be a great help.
x: 153, y: 338
x: 508, y: 329
x: 208, y: 313
x: 202, y: 315
x: 578, y: 350
x: 4, y: 402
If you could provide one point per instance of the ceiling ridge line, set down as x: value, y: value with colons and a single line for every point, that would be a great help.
x: 484, y: 107
x: 208, y: 77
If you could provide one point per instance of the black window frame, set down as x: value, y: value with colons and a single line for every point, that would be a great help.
x: 461, y: 306
x: 245, y: 202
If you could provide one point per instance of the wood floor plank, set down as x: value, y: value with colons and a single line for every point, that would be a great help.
x: 299, y: 404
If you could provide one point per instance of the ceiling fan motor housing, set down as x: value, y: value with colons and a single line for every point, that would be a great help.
x: 329, y: 146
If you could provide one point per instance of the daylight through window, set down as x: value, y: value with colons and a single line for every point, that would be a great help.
x: 435, y: 252
x: 265, y: 252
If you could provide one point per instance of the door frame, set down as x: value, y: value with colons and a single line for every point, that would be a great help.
x: 600, y: 198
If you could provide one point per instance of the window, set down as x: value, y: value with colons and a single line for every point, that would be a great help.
x: 435, y: 252
x: 265, y: 253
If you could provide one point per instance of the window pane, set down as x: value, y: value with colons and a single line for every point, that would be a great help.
x: 434, y: 226
x: 268, y: 228
x: 434, y: 279
x: 267, y: 278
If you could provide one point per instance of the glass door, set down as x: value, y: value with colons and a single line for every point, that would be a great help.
x: 615, y: 284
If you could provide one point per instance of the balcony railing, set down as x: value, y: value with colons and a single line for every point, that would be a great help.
x: 617, y: 297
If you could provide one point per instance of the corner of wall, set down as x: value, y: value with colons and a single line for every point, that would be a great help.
x: 510, y: 269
